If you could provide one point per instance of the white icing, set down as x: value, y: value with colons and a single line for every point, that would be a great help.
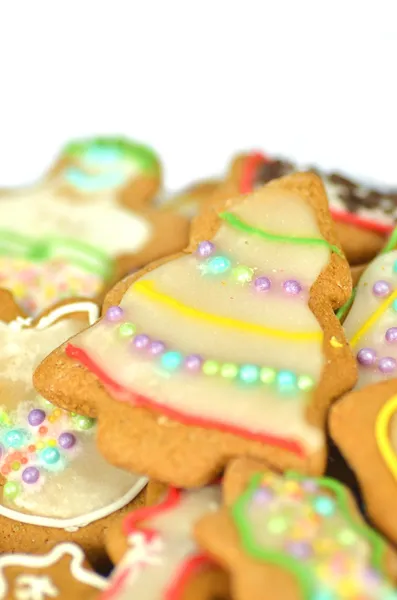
x: 77, y: 569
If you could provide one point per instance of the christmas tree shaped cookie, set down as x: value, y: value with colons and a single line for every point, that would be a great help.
x: 157, y: 556
x: 55, y: 485
x: 291, y: 537
x: 231, y: 348
x: 85, y: 225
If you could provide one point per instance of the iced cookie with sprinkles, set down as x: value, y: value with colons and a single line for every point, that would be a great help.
x: 363, y: 215
x: 54, y: 484
x: 63, y: 574
x: 84, y: 226
x: 364, y: 426
x: 231, y: 348
x: 291, y: 537
x: 156, y: 555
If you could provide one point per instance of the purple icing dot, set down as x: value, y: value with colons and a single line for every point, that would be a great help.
x: 299, y: 549
x: 67, y: 440
x: 262, y: 496
x: 309, y: 485
x: 381, y: 288
x: 114, y: 314
x: 205, y: 248
x: 366, y: 356
x: 387, y: 364
x: 391, y: 334
x: 262, y: 284
x: 156, y: 348
x: 36, y: 417
x: 141, y: 341
x: 30, y: 474
x: 292, y: 287
x: 193, y: 362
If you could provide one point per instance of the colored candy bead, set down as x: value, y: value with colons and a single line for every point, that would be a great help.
x: 127, y: 330
x: 10, y: 490
x: 171, y: 360
x: 114, y: 314
x: 67, y: 440
x: 381, y: 289
x: 305, y: 382
x: 366, y: 356
x: 30, y: 475
x: 85, y: 422
x: 267, y: 375
x: 286, y: 381
x: 36, y: 417
x: 262, y: 496
x: 391, y: 334
x: 242, y: 274
x: 394, y: 305
x: 229, y: 370
x: 262, y: 284
x: 300, y: 550
x: 50, y: 455
x: 210, y: 367
x: 324, y: 506
x: 387, y: 364
x: 347, y: 537
x: 14, y: 438
x: 292, y: 287
x: 218, y: 265
x: 156, y: 348
x: 249, y: 373
x: 141, y: 341
x: 193, y: 362
x: 205, y: 249
x: 277, y: 525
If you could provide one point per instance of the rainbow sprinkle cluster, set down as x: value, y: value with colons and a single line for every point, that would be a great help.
x: 283, y: 381
x: 304, y: 525
x: 37, y: 438
x: 36, y: 285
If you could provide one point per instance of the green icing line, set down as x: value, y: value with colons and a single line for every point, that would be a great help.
x: 341, y: 312
x: 302, y: 573
x: 88, y: 258
x: 237, y: 223
x: 144, y: 156
x: 391, y: 242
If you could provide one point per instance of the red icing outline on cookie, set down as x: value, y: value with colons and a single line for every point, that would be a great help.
x: 129, y: 396
x: 246, y: 186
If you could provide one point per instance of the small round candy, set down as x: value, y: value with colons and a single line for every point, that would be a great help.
x: 292, y: 287
x: 323, y: 505
x: 262, y: 284
x: 229, y: 370
x: 267, y: 375
x: 14, y: 438
x: 286, y: 381
x: 277, y: 525
x: 391, y: 334
x: 10, y: 490
x: 299, y: 549
x: 171, y: 360
x: 218, y: 265
x: 127, y: 330
x: 305, y: 382
x: 156, y: 348
x: 67, y: 440
x: 387, y: 364
x: 193, y: 363
x: 141, y: 341
x: 262, y: 496
x: 394, y: 305
x: 114, y: 314
x: 36, y: 417
x: 30, y: 475
x: 205, y: 248
x: 84, y: 422
x: 249, y: 374
x: 210, y: 367
x: 381, y: 289
x: 242, y: 274
x: 50, y: 455
x: 366, y: 357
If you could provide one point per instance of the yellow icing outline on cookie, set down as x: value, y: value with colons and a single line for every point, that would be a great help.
x: 148, y: 289
x: 373, y: 318
x: 382, y: 434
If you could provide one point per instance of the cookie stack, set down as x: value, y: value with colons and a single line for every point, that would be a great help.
x: 220, y: 376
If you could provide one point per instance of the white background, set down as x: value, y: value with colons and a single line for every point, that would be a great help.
x: 315, y: 80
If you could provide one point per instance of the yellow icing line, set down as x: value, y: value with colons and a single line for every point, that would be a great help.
x: 373, y: 318
x: 148, y: 289
x: 383, y: 437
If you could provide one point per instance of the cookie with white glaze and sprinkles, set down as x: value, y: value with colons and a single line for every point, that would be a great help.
x: 230, y: 348
x: 291, y: 537
x: 84, y: 226
x: 156, y: 556
x: 54, y: 484
x: 63, y: 574
x: 364, y: 216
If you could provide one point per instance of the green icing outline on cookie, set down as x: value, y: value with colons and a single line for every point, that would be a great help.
x: 92, y: 260
x: 142, y: 155
x: 293, y: 565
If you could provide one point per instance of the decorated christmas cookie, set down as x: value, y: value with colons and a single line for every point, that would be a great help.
x: 63, y: 574
x: 363, y: 216
x: 189, y: 201
x: 156, y: 555
x: 84, y: 226
x: 54, y: 483
x: 231, y: 348
x: 364, y: 426
x: 290, y: 537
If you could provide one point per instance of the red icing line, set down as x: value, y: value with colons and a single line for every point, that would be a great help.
x: 139, y: 400
x: 250, y: 167
x: 353, y: 219
x: 188, y: 569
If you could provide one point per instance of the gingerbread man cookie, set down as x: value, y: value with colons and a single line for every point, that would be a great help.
x: 291, y: 537
x: 85, y: 226
x: 231, y: 348
x: 55, y: 486
x: 63, y: 574
x: 156, y: 555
